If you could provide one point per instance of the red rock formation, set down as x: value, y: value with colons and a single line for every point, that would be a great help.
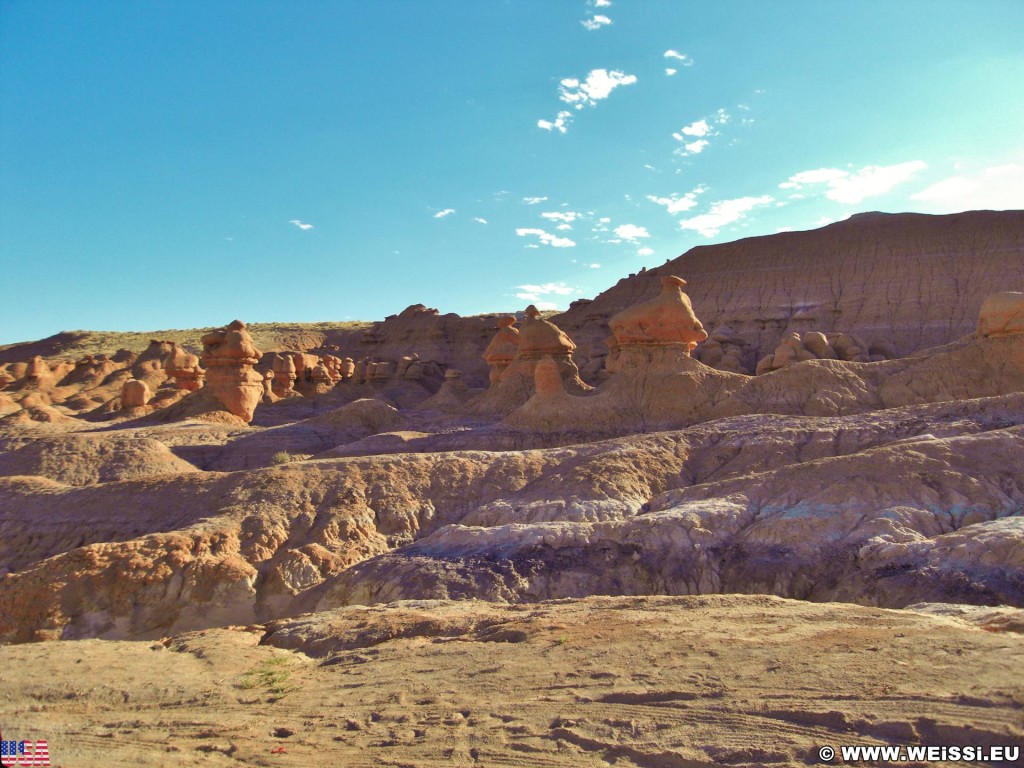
x: 229, y: 355
x: 1002, y: 314
x: 184, y: 368
x: 135, y: 394
x: 503, y: 347
x: 908, y: 281
x: 283, y: 367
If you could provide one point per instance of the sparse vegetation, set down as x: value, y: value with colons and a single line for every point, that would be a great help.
x: 283, y: 457
x: 271, y: 675
x: 267, y: 337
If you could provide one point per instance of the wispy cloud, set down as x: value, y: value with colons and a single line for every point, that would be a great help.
x: 300, y: 225
x: 997, y: 188
x: 675, y: 203
x: 479, y: 220
x: 546, y: 238
x: 534, y: 200
x: 536, y: 294
x: 566, y: 217
x: 597, y: 87
x: 594, y: 266
x: 645, y: 252
x: 669, y: 71
x: 852, y: 187
x: 631, y: 232
x: 560, y: 123
x: 602, y: 3
x: 696, y: 135
x: 683, y: 58
x: 445, y: 212
x: 596, y: 22
x: 723, y: 213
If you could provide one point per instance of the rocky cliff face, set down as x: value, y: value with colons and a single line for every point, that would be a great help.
x: 912, y: 280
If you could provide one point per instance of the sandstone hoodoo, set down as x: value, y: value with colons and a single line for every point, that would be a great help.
x: 539, y: 338
x: 135, y: 394
x: 283, y: 367
x: 503, y: 347
x: 229, y: 356
x: 184, y: 368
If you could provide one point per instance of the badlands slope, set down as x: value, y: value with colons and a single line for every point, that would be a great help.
x: 651, y: 561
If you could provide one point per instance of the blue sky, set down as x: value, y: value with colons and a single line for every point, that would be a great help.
x: 180, y: 164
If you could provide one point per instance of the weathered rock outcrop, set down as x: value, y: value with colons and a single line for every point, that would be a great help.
x: 135, y: 394
x: 229, y: 356
x: 184, y: 368
x: 911, y: 280
x: 1002, y: 314
x: 503, y: 347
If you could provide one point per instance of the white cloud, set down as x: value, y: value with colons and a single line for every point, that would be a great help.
x: 820, y: 176
x: 594, y: 266
x: 697, y: 128
x: 853, y: 187
x: 564, y: 216
x: 560, y: 123
x: 546, y: 238
x: 669, y: 71
x: 683, y: 58
x: 300, y: 225
x: 722, y: 213
x: 675, y: 203
x: 598, y: 86
x: 996, y: 188
x: 445, y: 212
x: 602, y: 3
x: 701, y: 130
x: 534, y: 200
x: 564, y: 227
x: 645, y: 252
x: 631, y: 232
x: 595, y: 22
x: 479, y: 220
x: 535, y: 294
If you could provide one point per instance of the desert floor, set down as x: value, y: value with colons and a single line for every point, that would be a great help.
x: 645, y: 681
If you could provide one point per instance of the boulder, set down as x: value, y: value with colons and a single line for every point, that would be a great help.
x: 135, y: 394
x: 1002, y: 314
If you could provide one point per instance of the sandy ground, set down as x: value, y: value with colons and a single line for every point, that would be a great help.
x: 637, y: 681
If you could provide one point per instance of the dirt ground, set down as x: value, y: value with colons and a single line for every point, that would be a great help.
x: 626, y: 681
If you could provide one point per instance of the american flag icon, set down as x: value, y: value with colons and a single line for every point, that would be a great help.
x: 24, y: 753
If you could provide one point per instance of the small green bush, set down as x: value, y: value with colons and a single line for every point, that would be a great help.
x: 282, y: 457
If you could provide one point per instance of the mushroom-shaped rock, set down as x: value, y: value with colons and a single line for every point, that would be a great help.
x: 134, y: 394
x: 503, y: 347
x: 184, y: 368
x: 668, y: 318
x: 1002, y: 314
x: 268, y: 388
x: 539, y: 337
x: 229, y: 355
x: 283, y: 367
